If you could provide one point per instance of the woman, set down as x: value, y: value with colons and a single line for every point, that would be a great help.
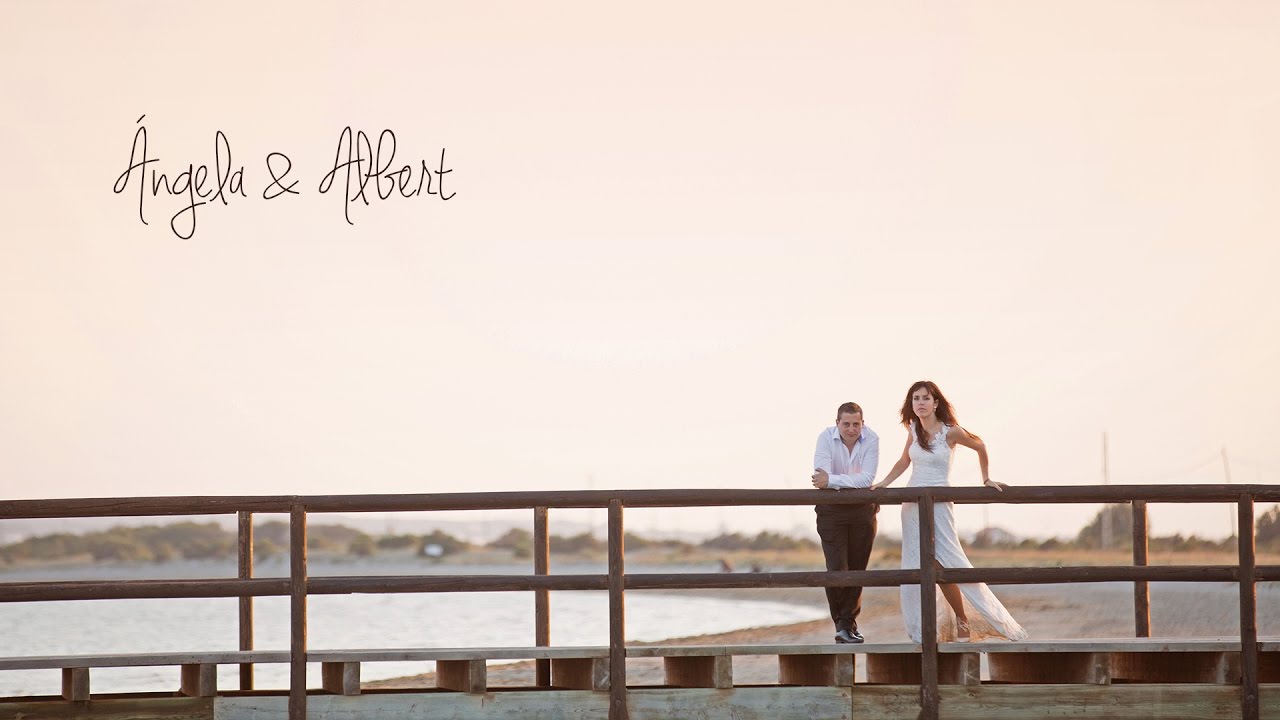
x: 932, y: 432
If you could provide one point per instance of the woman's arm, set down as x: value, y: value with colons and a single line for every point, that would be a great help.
x: 898, y: 468
x: 959, y: 436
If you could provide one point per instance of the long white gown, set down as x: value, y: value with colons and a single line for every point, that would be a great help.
x: 987, y: 616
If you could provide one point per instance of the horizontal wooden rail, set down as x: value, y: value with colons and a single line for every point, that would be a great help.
x: 141, y: 589
x: 1268, y: 573
x: 1089, y: 573
x: 848, y: 578
x: 142, y: 506
x: 363, y: 584
x: 230, y: 657
x: 215, y: 505
x: 469, y: 653
x: 451, y: 583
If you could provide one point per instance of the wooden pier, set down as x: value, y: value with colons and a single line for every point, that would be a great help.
x: 1139, y: 677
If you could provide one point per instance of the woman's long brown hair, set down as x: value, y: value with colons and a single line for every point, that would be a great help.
x: 944, y: 412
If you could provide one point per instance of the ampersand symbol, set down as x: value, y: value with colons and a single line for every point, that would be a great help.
x: 275, y: 179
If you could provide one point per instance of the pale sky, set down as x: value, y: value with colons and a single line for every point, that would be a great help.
x: 682, y: 235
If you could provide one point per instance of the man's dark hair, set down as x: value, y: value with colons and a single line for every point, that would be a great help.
x: 849, y: 407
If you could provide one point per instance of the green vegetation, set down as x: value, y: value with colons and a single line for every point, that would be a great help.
x: 764, y: 541
x: 1119, y: 516
x: 199, y: 541
x: 152, y: 543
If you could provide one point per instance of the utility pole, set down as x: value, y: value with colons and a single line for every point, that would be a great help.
x: 1226, y: 471
x: 1106, y: 509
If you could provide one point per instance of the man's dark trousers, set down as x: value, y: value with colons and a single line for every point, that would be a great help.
x: 847, y: 532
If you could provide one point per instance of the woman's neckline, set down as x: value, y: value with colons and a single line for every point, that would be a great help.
x: 941, y: 427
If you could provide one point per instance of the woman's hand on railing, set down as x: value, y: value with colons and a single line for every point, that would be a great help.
x: 993, y: 484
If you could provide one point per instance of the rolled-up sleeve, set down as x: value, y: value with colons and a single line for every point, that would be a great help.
x: 822, y: 459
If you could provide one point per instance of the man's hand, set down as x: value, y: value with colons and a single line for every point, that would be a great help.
x: 820, y: 479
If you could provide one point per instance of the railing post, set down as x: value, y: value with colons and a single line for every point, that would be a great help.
x: 541, y: 598
x: 928, y: 611
x: 618, y: 709
x: 298, y: 613
x: 1141, y: 588
x: 1248, y: 612
x: 244, y: 538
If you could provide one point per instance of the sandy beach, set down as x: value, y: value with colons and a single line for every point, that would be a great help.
x: 1047, y: 611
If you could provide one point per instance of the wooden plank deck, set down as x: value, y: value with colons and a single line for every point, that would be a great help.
x: 864, y: 702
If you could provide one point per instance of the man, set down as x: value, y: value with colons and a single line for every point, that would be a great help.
x: 846, y: 458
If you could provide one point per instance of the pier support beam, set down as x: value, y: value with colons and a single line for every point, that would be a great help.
x: 340, y: 678
x: 75, y: 684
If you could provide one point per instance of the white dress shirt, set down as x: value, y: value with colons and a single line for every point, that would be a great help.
x: 846, y: 468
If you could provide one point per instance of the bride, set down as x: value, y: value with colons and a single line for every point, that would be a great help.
x: 932, y: 432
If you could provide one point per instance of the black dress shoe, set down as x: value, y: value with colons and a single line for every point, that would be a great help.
x: 848, y: 636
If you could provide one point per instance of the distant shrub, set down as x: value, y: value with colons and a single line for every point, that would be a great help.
x: 397, y: 542
x: 362, y: 546
x: 581, y: 543
x: 765, y: 540
x: 447, y: 543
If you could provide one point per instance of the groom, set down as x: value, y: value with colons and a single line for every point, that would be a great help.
x: 846, y: 457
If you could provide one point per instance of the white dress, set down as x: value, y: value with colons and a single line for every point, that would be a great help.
x: 987, y: 617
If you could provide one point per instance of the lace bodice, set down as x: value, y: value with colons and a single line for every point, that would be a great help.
x: 930, y: 468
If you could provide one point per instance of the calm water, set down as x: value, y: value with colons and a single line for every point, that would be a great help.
x: 336, y: 622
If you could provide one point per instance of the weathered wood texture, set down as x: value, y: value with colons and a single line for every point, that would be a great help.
x: 1141, y: 590
x: 199, y: 680
x: 133, y: 708
x: 469, y: 676
x: 1086, y: 573
x: 815, y: 670
x: 297, y: 613
x: 140, y: 589
x: 1020, y: 702
x: 904, y: 669
x: 1045, y: 669
x: 244, y: 571
x: 43, y: 662
x: 580, y: 673
x: 618, y: 708
x: 1183, y: 667
x: 75, y: 684
x: 744, y: 703
x: 541, y: 598
x: 823, y: 578
x: 508, y: 705
x: 638, y: 651
x: 694, y: 671
x: 1148, y: 645
x: 340, y: 678
x: 338, y: 585
x: 471, y: 653
x: 1248, y: 611
x: 211, y: 505
x: 1269, y: 667
x: 754, y: 703
x: 928, y: 612
x: 986, y: 702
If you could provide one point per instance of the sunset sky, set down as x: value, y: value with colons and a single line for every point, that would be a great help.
x: 682, y: 234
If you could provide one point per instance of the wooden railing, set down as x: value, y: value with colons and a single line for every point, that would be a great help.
x: 298, y: 586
